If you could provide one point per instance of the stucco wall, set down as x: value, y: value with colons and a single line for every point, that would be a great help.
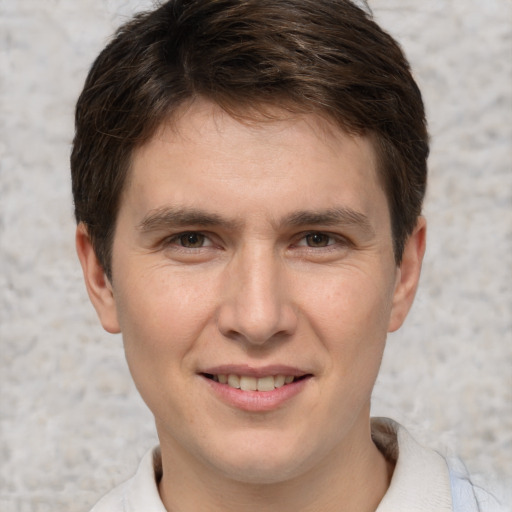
x: 71, y: 423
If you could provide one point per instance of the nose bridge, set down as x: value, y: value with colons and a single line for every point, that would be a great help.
x: 257, y: 306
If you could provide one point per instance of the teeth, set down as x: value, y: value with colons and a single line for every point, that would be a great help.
x: 279, y: 381
x: 234, y: 381
x: 246, y: 383
x: 266, y: 384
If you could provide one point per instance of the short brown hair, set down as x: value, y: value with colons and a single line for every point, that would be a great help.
x: 308, y: 56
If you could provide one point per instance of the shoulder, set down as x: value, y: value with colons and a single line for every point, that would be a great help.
x: 466, y: 496
x: 139, y: 492
x: 420, y: 480
x: 423, y: 478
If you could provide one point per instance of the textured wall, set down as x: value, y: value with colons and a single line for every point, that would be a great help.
x: 71, y: 423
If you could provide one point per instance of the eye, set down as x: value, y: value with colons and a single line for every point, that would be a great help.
x: 317, y: 239
x: 190, y: 240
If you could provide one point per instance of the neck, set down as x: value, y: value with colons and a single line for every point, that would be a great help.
x: 349, y: 480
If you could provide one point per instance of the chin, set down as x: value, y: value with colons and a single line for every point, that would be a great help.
x: 262, y: 472
x: 264, y: 463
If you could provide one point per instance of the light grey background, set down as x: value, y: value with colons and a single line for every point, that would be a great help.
x: 71, y: 423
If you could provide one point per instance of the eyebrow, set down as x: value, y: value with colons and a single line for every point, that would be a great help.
x: 331, y: 217
x: 166, y: 217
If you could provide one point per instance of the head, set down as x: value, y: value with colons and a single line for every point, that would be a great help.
x: 248, y: 177
x: 322, y: 57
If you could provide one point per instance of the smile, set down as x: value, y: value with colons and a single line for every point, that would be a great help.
x: 250, y: 383
x: 256, y: 390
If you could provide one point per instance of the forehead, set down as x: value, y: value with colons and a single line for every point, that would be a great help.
x: 204, y: 154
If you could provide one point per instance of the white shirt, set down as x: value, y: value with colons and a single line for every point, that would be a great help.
x: 422, y: 480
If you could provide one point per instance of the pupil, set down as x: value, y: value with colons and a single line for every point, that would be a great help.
x: 191, y: 240
x: 317, y: 239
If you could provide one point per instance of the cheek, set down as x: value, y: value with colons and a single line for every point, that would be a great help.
x: 160, y: 316
x: 352, y: 302
x: 161, y: 322
x: 350, y: 315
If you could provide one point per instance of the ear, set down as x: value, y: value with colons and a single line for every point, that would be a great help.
x: 408, y: 275
x: 97, y: 284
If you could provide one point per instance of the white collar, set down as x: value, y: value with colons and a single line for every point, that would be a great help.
x: 139, y: 493
x: 421, y: 479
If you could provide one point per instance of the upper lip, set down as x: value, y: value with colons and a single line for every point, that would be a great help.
x: 252, y: 371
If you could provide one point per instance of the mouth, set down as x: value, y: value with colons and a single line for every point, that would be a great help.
x: 250, y: 383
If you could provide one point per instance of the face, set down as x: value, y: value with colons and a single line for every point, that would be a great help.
x: 254, y: 283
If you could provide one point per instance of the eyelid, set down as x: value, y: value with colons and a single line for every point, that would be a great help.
x: 335, y: 239
x: 174, y: 240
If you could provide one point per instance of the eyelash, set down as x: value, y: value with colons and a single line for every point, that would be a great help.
x: 331, y: 242
x: 329, y: 239
x: 176, y: 239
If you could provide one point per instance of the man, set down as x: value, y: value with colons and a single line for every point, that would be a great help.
x: 248, y: 178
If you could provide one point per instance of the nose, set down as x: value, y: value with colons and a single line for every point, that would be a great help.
x: 256, y: 306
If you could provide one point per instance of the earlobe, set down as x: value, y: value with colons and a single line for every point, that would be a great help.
x: 98, y: 286
x: 408, y: 275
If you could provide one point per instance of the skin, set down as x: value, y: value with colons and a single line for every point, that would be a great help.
x: 272, y: 277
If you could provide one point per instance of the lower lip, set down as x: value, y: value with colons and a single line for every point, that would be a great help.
x: 257, y: 401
